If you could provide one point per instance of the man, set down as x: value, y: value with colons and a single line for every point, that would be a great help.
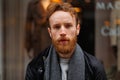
x: 64, y: 59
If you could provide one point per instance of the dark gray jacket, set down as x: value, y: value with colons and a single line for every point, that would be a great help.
x: 93, y: 68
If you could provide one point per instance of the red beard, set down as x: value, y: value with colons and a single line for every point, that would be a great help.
x: 64, y: 45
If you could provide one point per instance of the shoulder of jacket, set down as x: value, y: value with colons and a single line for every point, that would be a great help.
x: 94, y: 67
x: 92, y: 60
x: 39, y: 60
x: 93, y: 64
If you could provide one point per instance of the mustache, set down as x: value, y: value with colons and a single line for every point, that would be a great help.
x: 63, y: 39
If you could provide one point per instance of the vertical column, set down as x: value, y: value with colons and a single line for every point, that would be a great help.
x: 14, y: 59
x: 1, y: 45
x: 103, y: 49
x: 24, y: 6
x: 22, y: 19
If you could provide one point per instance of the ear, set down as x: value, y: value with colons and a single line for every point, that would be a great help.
x: 78, y: 29
x: 49, y: 31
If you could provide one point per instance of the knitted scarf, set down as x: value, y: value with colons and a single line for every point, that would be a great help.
x: 76, y: 64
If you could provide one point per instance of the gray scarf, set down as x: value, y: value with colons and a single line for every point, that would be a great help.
x: 76, y: 69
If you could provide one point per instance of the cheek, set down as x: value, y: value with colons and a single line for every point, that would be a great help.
x: 73, y: 33
x: 54, y: 35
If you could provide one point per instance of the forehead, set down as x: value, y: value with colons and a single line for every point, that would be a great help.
x: 61, y: 16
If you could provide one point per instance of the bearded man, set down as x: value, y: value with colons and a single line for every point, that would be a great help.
x: 64, y: 59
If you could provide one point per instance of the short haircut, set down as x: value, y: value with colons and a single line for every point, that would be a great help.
x: 67, y: 7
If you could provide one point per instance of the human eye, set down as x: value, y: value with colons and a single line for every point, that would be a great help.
x: 56, y: 26
x: 68, y: 25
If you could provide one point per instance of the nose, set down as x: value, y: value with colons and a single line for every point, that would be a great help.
x: 62, y: 31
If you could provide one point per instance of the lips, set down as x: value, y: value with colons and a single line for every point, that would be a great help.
x: 63, y: 41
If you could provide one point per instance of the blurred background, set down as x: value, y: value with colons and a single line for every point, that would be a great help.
x: 23, y: 33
